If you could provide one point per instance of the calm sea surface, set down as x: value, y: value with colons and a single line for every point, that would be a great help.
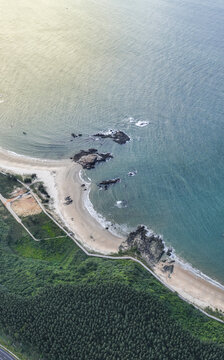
x: 86, y: 66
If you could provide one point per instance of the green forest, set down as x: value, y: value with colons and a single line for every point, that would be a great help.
x: 58, y: 303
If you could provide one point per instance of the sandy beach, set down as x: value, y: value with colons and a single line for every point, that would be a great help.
x: 76, y: 216
x: 192, y: 287
x: 62, y: 179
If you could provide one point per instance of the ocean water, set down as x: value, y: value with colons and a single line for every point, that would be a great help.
x: 87, y: 66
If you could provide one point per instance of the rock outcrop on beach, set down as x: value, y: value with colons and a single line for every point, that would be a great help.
x: 149, y: 246
x: 168, y: 268
x: 88, y: 159
x: 117, y: 136
x: 106, y: 183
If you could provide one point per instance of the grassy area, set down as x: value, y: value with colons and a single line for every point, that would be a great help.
x: 42, y: 227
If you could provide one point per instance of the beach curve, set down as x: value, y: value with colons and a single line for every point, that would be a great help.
x: 62, y: 179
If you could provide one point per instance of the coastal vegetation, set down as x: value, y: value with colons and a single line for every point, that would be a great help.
x: 58, y: 303
x: 7, y: 183
x: 100, y: 322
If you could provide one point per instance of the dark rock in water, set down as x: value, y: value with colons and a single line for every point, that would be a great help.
x: 149, y: 246
x: 24, y: 133
x: 83, y: 185
x: 78, y: 156
x: 104, y: 184
x: 132, y: 173
x: 88, y: 159
x: 74, y: 135
x: 168, y: 268
x: 118, y: 136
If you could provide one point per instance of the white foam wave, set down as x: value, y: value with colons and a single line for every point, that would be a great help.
x: 141, y: 123
x: 189, y: 267
x: 121, y: 204
x: 115, y: 229
x: 129, y: 119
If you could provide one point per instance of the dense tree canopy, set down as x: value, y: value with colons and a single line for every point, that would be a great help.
x: 100, y: 322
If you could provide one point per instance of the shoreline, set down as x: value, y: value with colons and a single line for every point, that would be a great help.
x: 62, y: 178
x: 115, y: 230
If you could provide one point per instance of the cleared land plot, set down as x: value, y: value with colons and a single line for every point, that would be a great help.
x: 26, y: 206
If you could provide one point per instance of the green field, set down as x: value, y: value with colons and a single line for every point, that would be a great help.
x: 58, y: 303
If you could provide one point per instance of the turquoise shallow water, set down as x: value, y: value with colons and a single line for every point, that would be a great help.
x: 80, y: 66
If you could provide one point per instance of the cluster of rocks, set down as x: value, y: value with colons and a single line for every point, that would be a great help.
x: 88, y: 159
x: 105, y: 183
x: 117, y: 136
x: 149, y: 246
x: 168, y: 268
